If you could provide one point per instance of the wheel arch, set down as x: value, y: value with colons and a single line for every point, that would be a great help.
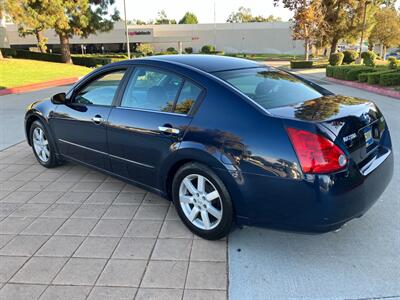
x: 200, y: 154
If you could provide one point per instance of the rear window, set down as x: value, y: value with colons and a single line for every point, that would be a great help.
x: 269, y: 88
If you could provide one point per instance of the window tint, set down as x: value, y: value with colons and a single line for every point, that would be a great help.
x: 152, y: 89
x: 100, y: 91
x: 187, y: 97
x: 269, y: 88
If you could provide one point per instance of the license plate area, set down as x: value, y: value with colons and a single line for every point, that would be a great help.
x: 368, y: 136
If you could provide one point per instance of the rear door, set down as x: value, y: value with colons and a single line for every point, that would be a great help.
x: 80, y: 125
x: 150, y: 121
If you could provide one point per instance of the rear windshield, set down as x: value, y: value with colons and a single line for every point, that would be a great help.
x: 269, y: 88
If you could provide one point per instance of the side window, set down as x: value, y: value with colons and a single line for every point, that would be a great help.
x: 152, y: 89
x: 100, y: 91
x: 189, y: 94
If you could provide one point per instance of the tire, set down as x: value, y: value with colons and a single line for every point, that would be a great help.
x: 200, y: 195
x: 43, y: 148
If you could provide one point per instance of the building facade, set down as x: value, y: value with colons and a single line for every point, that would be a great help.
x: 273, y: 37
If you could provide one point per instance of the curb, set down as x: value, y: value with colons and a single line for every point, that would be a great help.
x: 366, y: 87
x: 38, y: 86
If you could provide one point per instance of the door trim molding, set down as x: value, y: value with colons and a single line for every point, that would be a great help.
x: 107, y: 154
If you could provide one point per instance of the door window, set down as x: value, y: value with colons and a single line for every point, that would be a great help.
x: 189, y: 94
x: 152, y: 89
x: 100, y: 91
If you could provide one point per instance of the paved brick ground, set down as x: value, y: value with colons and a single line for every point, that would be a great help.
x: 74, y: 233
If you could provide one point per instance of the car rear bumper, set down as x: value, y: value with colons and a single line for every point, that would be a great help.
x: 318, y: 203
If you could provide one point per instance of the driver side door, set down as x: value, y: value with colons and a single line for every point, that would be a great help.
x: 80, y: 126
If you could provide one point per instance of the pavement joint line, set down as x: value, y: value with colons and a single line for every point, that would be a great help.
x: 116, y: 245
x: 151, y: 253
x: 69, y: 259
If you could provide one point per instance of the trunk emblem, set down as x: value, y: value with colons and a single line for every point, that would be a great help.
x: 349, y: 137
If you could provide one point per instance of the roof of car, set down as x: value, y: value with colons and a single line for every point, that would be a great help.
x: 208, y: 63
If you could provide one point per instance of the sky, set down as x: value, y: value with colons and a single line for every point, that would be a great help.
x: 204, y: 9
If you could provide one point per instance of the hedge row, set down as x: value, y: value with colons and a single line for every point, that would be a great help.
x: 301, y: 64
x: 390, y: 79
x: 53, y: 57
x: 385, y: 77
x: 347, y: 72
x: 374, y: 77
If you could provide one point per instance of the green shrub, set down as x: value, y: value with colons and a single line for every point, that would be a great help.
x: 8, y: 52
x: 329, y: 71
x: 217, y: 52
x: 145, y: 49
x: 368, y: 58
x: 91, y: 62
x: 52, y: 57
x: 393, y: 63
x: 336, y: 59
x: 207, y: 49
x: 352, y: 75
x: 171, y: 50
x: 374, y: 77
x: 350, y: 56
x: 390, y: 79
x: 363, y: 77
x: 300, y: 64
x: 189, y: 50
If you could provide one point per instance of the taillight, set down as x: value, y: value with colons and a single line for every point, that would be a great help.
x: 316, y: 153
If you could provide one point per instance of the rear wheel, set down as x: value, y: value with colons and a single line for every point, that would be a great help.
x: 202, y: 201
x: 42, y: 145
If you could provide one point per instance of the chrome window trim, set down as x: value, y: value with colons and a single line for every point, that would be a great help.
x: 106, y: 154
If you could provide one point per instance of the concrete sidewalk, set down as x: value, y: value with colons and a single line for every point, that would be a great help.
x: 12, y: 111
x: 73, y: 233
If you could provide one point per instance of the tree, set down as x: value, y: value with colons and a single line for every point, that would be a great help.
x: 386, y: 30
x: 162, y: 18
x: 2, y: 21
x: 81, y: 18
x: 243, y: 15
x: 308, y: 23
x: 32, y: 18
x: 189, y: 18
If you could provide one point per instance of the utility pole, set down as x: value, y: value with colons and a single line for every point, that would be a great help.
x: 363, y: 26
x: 128, y: 48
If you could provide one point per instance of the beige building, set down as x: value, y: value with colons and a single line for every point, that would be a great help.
x: 229, y: 37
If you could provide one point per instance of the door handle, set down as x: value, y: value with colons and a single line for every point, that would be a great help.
x: 97, y: 119
x: 169, y: 130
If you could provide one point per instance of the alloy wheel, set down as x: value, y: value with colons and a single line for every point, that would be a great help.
x: 41, y: 144
x: 200, y: 201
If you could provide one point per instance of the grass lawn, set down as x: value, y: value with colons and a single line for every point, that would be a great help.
x: 17, y: 72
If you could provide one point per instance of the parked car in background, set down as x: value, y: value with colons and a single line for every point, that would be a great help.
x: 227, y: 140
x: 394, y: 54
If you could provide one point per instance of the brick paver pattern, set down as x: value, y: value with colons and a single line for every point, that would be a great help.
x: 74, y: 233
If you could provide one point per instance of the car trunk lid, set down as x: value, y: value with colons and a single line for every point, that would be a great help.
x: 356, y: 124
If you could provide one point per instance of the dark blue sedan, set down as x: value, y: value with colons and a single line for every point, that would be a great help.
x: 227, y: 140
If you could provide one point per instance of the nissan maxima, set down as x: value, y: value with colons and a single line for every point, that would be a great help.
x: 229, y: 141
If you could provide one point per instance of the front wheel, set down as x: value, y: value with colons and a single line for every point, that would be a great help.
x: 202, y: 201
x: 42, y: 145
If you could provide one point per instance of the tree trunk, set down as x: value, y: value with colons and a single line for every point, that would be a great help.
x: 65, y: 52
x: 41, y: 41
x: 384, y: 52
x: 306, y: 49
x: 334, y: 44
x: 1, y: 55
x: 381, y: 51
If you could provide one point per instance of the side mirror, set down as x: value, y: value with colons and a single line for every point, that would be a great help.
x: 59, y: 98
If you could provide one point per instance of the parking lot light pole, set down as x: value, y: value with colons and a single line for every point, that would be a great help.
x: 128, y: 48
